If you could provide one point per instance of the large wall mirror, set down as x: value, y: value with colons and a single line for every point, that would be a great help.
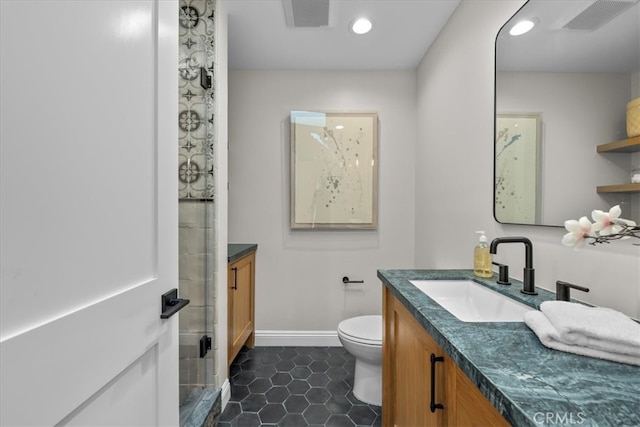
x: 561, y: 90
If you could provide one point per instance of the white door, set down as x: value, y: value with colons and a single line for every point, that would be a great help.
x: 88, y: 213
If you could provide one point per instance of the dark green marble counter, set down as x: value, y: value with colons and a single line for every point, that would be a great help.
x: 238, y: 250
x: 528, y: 383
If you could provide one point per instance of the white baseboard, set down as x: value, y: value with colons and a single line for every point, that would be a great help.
x: 225, y: 394
x: 297, y: 339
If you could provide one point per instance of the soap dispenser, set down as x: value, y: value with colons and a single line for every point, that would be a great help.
x: 482, y: 257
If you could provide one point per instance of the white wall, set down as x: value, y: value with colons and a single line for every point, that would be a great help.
x: 454, y: 171
x: 299, y: 273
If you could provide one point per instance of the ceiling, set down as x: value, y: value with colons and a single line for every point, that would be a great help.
x: 403, y: 30
x: 612, y: 47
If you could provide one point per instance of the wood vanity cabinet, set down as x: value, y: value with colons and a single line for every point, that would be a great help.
x: 240, y: 304
x: 407, y: 378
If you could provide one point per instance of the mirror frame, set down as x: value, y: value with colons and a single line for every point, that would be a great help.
x: 495, y: 125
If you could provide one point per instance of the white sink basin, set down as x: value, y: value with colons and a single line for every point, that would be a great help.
x: 471, y: 302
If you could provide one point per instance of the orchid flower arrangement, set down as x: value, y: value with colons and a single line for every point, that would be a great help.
x: 607, y: 226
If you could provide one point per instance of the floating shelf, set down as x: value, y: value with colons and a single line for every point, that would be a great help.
x: 629, y: 145
x: 621, y: 188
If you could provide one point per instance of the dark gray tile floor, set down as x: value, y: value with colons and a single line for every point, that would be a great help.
x: 295, y: 386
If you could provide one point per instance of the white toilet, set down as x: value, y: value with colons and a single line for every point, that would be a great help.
x: 362, y: 337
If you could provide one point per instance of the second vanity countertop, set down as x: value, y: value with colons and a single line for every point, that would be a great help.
x: 238, y: 250
x: 529, y: 384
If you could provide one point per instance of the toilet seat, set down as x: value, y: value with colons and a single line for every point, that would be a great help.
x: 363, y: 329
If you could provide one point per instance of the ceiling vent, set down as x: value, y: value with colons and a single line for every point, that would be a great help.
x: 598, y: 14
x: 306, y: 13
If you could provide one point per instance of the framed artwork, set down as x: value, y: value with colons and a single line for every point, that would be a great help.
x: 334, y: 170
x: 517, y: 168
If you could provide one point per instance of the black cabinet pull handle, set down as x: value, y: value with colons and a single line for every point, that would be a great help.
x: 171, y: 304
x: 235, y: 278
x: 433, y: 405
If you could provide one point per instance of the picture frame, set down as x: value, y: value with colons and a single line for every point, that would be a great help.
x: 517, y: 184
x: 334, y: 170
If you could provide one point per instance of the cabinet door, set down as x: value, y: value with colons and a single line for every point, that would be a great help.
x: 410, y: 372
x: 407, y: 395
x: 472, y: 408
x: 241, y: 304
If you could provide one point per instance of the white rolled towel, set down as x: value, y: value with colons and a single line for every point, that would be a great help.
x: 549, y: 337
x: 595, y: 327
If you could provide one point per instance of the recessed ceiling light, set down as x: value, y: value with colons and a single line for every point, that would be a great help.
x: 361, y: 26
x: 521, y: 27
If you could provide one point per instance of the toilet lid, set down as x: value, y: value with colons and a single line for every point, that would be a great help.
x: 364, y: 329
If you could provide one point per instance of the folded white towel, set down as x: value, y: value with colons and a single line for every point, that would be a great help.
x: 549, y: 337
x: 594, y: 327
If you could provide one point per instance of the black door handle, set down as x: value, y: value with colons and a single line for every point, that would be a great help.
x: 171, y: 304
x: 433, y: 405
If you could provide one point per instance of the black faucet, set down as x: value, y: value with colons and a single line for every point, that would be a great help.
x: 529, y: 286
x: 563, y: 290
x: 503, y: 273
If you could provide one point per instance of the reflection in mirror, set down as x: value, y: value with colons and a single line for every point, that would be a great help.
x: 562, y: 90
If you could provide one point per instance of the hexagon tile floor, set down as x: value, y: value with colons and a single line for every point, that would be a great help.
x: 297, y: 387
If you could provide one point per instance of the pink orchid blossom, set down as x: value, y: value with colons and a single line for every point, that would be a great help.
x: 605, y: 222
x: 578, y: 231
x: 608, y: 226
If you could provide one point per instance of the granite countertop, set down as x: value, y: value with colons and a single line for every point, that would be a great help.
x: 238, y: 250
x: 528, y: 383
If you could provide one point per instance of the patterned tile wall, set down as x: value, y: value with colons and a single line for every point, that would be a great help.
x: 196, y: 185
x: 195, y: 112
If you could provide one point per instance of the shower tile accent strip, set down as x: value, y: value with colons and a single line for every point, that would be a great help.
x: 195, y: 111
x: 295, y: 386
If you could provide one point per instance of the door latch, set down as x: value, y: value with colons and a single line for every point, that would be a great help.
x: 205, y: 78
x: 205, y: 345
